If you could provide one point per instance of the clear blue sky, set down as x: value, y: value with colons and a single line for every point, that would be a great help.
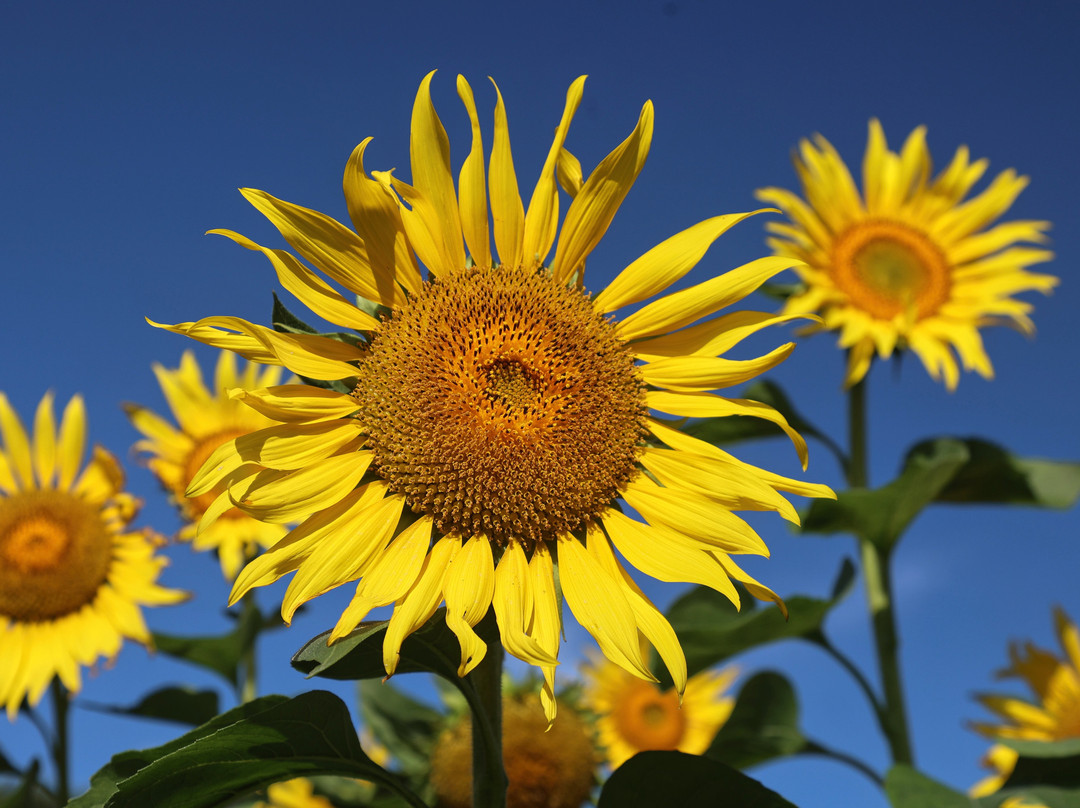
x: 125, y: 129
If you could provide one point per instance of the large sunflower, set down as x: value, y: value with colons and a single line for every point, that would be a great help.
x: 1054, y: 715
x: 909, y: 263
x: 499, y: 406
x: 635, y: 716
x: 72, y: 575
x: 206, y: 420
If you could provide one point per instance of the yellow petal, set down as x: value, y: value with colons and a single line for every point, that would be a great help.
x: 711, y: 338
x: 330, y: 246
x: 309, y: 289
x: 542, y: 218
x: 16, y: 443
x: 45, y: 441
x: 429, y: 150
x: 101, y: 479
x: 709, y: 372
x: 684, y: 307
x: 507, y: 212
x: 297, y: 402
x: 546, y: 624
x: 281, y: 497
x: 514, y: 602
x: 390, y: 577
x: 568, y: 171
x: 707, y: 405
x: 470, y: 583
x: 753, y: 586
x: 295, y: 446
x: 417, y: 607
x: 474, y: 212
x: 247, y: 346
x: 665, y: 263
x: 598, y: 603
x: 592, y: 210
x: 377, y: 219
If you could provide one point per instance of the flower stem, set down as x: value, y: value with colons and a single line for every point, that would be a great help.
x: 249, y: 688
x: 489, y: 777
x: 61, y: 703
x: 875, y: 565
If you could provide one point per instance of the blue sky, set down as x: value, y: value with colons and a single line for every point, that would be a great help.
x: 125, y: 130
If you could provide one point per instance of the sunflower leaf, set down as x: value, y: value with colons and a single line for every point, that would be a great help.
x: 993, y: 474
x: 273, y: 739
x: 403, y: 725
x: 712, y: 630
x: 1052, y: 779
x: 184, y: 705
x: 675, y: 778
x: 285, y: 321
x: 764, y: 724
x: 907, y: 788
x: 220, y: 653
x: 881, y: 515
x: 23, y: 795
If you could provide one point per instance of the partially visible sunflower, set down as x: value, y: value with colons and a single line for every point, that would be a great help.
x: 296, y: 793
x: 1053, y: 715
x: 72, y: 573
x: 908, y: 263
x: 500, y: 404
x: 207, y: 418
x: 636, y: 716
x: 547, y: 766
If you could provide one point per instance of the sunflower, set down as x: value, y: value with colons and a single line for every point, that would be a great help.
x: 206, y: 420
x: 296, y: 793
x: 910, y: 263
x: 72, y: 576
x: 480, y: 432
x: 636, y: 716
x: 1053, y: 716
x: 546, y: 767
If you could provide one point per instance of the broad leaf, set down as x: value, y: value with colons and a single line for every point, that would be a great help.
x: 220, y: 653
x: 907, y: 788
x: 711, y: 630
x: 763, y: 725
x: 1043, y: 749
x: 993, y: 474
x: 181, y: 704
x: 311, y: 734
x: 881, y: 515
x: 403, y: 725
x: 651, y: 779
x: 1052, y: 779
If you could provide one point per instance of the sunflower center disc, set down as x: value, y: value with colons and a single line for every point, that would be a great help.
x: 502, y: 404
x: 649, y: 719
x: 195, y: 459
x: 55, y: 552
x: 888, y: 269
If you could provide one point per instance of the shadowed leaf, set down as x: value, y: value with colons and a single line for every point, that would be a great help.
x: 907, y: 788
x: 763, y: 725
x: 181, y: 704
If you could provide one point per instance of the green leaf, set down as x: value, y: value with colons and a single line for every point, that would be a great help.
x: 184, y: 705
x: 881, y: 515
x: 1043, y: 749
x: 733, y: 428
x: 993, y: 474
x: 651, y: 779
x: 764, y: 724
x: 6, y: 765
x: 311, y: 734
x: 1053, y: 779
x: 103, y: 784
x: 403, y: 725
x: 907, y: 788
x: 286, y: 322
x: 711, y: 630
x: 221, y: 653
x: 781, y: 291
x: 24, y: 796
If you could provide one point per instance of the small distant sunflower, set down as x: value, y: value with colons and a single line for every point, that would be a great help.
x: 1054, y: 715
x: 295, y: 793
x: 499, y: 405
x: 207, y: 418
x: 72, y: 576
x: 546, y: 768
x: 636, y: 716
x: 909, y: 263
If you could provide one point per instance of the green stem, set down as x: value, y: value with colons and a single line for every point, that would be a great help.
x: 249, y: 689
x: 489, y: 777
x: 875, y: 564
x: 815, y: 748
x: 818, y: 638
x: 61, y: 703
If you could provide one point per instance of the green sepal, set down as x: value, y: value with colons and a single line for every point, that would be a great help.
x: 651, y: 779
x: 221, y: 653
x: 764, y: 724
x: 263, y: 742
x: 184, y: 705
x: 881, y: 515
x: 907, y: 788
x: 712, y: 630
x: 993, y: 474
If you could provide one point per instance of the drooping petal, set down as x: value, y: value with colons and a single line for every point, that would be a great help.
x: 416, y: 607
x: 514, y: 602
x: 470, y: 584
